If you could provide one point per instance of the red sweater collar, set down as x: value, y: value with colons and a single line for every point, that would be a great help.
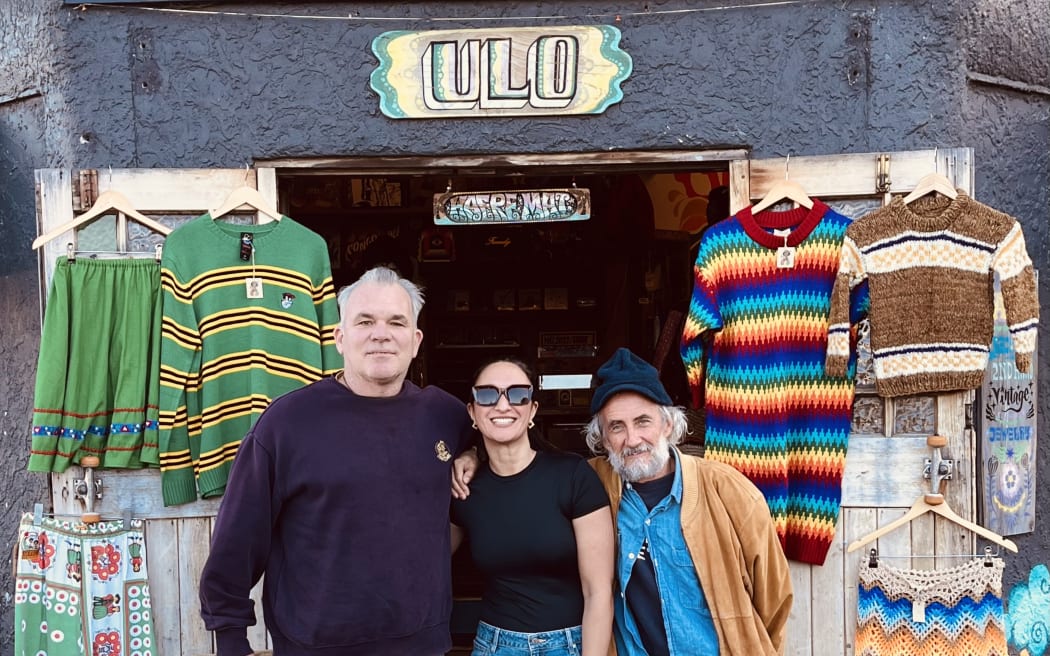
x: 802, y: 221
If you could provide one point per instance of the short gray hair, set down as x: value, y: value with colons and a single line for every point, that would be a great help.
x: 382, y: 275
x: 672, y: 414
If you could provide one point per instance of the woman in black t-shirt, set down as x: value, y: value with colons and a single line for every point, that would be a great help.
x: 540, y: 531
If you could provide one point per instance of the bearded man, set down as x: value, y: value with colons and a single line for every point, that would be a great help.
x: 699, y: 567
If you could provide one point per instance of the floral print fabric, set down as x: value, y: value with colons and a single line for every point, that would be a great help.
x: 81, y: 589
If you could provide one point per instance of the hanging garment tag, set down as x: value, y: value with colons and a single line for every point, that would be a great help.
x: 786, y: 257
x: 253, y: 286
x: 246, y: 247
x: 781, y: 232
x: 918, y: 612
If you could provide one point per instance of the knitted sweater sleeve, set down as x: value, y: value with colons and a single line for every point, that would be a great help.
x: 327, y: 320
x: 703, y: 317
x: 180, y: 353
x: 1020, y: 296
x: 848, y: 303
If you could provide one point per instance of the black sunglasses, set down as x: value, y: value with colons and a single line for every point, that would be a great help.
x: 489, y: 394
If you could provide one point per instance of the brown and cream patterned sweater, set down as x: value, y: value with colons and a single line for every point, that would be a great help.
x: 929, y: 267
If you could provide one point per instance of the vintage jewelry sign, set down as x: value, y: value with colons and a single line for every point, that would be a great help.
x: 526, y: 71
x: 524, y: 206
x: 1008, y: 435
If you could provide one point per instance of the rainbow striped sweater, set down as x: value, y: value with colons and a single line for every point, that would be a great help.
x: 224, y: 356
x: 754, y: 345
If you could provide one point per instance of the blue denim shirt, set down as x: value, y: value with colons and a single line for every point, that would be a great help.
x: 687, y: 619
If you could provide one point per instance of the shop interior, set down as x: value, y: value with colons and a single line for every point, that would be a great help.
x: 560, y: 296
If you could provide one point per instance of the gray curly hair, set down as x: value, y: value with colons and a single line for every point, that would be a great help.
x: 672, y: 414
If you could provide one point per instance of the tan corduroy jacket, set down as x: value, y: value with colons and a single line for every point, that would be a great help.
x: 735, y: 550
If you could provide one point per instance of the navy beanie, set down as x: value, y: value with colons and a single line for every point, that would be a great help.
x: 626, y: 372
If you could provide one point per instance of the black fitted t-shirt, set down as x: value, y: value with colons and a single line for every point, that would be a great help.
x: 521, y: 537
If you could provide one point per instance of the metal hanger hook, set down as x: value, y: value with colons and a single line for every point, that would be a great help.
x: 787, y: 167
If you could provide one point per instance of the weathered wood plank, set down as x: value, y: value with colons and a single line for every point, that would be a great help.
x: 883, y: 471
x: 801, y: 619
x: 257, y: 635
x: 55, y: 207
x: 136, y: 491
x: 162, y: 566
x: 828, y: 627
x: 923, y: 543
x: 193, y: 541
x: 857, y: 522
x: 841, y: 175
x: 895, y: 543
x: 408, y: 165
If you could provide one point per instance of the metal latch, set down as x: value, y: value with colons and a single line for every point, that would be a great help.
x: 937, y: 469
x: 882, y: 175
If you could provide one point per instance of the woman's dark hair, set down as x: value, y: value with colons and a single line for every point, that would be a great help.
x: 536, y: 439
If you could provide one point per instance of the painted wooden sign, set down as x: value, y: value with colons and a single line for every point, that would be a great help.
x: 527, y: 71
x: 1008, y: 435
x: 523, y: 206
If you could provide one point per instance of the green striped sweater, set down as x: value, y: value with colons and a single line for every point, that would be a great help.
x: 225, y: 356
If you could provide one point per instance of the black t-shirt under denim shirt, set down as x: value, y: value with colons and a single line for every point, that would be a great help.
x: 643, y: 594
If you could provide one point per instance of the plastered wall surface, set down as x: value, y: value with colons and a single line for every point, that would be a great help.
x: 127, y: 86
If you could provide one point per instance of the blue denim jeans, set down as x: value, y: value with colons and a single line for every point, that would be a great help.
x: 493, y: 641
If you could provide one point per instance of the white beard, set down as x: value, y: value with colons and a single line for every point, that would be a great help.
x: 642, y: 469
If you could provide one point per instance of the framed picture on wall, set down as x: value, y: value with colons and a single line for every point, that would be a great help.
x: 377, y: 192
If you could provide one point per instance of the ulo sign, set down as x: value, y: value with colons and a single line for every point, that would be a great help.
x: 527, y: 71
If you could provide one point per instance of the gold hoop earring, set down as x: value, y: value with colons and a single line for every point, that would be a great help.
x: 532, y: 424
x: 474, y: 425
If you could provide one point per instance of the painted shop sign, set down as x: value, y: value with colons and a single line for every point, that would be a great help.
x: 527, y: 71
x: 523, y: 206
x: 1008, y: 432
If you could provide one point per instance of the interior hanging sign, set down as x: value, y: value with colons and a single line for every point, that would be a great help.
x: 524, y: 206
x: 524, y: 71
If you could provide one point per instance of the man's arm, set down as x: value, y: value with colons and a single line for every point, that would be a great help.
x: 240, y: 547
x: 463, y: 469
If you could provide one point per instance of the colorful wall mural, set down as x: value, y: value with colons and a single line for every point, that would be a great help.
x: 1028, y: 614
x: 681, y: 200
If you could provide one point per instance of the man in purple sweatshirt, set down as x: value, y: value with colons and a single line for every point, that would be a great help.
x: 339, y: 495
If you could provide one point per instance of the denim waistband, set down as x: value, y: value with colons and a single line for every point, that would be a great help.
x: 560, y: 639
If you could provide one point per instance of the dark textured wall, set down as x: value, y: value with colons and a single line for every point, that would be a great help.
x: 22, y: 148
x: 124, y: 86
x: 1006, y: 118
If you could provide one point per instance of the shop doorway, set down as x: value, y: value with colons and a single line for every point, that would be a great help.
x: 559, y: 296
x: 887, y: 448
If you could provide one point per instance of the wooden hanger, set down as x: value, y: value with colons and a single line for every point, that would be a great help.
x: 936, y: 504
x: 783, y: 190
x: 251, y: 197
x: 932, y: 183
x: 933, y: 502
x: 107, y: 202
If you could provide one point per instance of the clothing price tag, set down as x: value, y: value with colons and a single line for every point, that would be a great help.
x: 246, y: 247
x: 918, y: 612
x: 786, y: 257
x: 253, y: 286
